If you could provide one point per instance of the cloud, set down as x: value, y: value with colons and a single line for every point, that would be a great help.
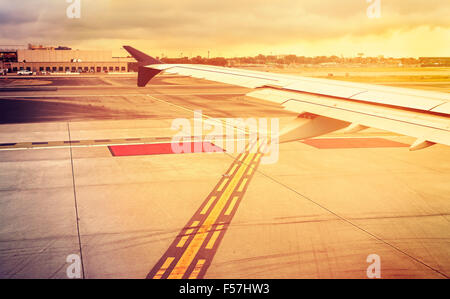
x: 221, y: 24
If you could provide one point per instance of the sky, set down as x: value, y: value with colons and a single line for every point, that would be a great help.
x: 405, y: 28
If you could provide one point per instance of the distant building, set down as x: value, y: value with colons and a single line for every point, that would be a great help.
x: 60, y: 59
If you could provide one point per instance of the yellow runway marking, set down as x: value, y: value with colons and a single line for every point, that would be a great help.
x: 231, y: 206
x: 242, y: 186
x: 209, y: 224
x: 199, y: 238
x: 197, y: 269
x: 251, y: 169
x: 214, y: 237
x: 233, y: 169
x: 164, y: 267
x: 188, y: 233
x: 206, y: 208
x: 182, y: 241
x: 222, y: 185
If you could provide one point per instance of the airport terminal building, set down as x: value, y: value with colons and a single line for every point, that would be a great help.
x: 61, y: 59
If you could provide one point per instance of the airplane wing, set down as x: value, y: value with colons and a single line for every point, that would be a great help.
x: 325, y: 105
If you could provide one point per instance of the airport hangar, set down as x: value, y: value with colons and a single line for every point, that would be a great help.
x: 61, y: 59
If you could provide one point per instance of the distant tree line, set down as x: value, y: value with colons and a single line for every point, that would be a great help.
x: 294, y: 59
x: 283, y: 60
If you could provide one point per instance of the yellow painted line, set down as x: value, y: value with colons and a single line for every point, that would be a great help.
x: 199, y: 238
x: 222, y: 185
x: 214, y: 237
x: 242, y: 186
x: 210, y: 201
x: 231, y: 206
x: 233, y: 169
x: 164, y: 267
x: 182, y: 241
x: 195, y: 224
x: 250, y: 171
x: 197, y: 269
x: 187, y: 234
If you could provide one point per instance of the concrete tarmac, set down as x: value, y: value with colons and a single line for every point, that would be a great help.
x: 315, y: 213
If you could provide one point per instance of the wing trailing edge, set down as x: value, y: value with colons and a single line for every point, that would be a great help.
x: 423, y: 115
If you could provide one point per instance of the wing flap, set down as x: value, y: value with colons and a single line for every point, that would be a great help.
x: 411, y: 123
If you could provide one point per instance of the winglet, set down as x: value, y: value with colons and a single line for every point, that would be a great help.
x: 141, y: 57
x: 145, y: 74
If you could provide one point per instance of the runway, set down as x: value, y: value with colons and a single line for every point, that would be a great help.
x: 318, y: 212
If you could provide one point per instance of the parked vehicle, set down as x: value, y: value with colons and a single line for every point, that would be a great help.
x: 24, y: 73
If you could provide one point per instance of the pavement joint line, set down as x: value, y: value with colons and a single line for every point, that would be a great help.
x: 76, y: 206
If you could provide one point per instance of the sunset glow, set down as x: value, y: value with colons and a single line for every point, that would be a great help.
x: 406, y: 28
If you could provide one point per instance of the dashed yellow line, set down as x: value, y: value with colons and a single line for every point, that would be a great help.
x: 233, y: 169
x: 206, y: 208
x: 197, y: 269
x: 164, y: 268
x: 231, y: 206
x: 250, y: 171
x: 207, y: 236
x: 187, y: 234
x: 214, y: 237
x: 242, y: 186
x: 182, y: 241
x: 222, y: 185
